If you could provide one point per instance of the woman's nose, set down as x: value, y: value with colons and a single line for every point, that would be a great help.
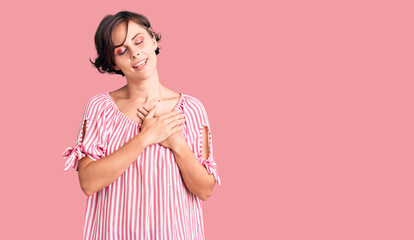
x: 135, y: 53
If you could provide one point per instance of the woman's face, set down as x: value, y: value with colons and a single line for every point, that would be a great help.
x: 138, y: 46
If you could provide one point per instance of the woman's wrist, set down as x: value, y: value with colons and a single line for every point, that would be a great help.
x: 142, y: 139
x: 179, y: 145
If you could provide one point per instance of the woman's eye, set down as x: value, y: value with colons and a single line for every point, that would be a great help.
x: 121, y: 52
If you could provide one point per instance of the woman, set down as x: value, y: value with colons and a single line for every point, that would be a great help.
x: 144, y: 153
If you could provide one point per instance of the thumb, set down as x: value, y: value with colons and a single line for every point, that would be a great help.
x: 152, y: 112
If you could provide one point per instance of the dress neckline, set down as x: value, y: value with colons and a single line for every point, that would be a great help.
x: 129, y: 119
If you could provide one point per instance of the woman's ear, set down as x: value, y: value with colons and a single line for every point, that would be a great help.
x: 154, y: 40
x: 116, y: 68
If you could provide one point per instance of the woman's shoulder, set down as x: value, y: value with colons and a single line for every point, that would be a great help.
x: 195, y: 111
x: 194, y: 105
x: 99, y: 97
x: 192, y: 100
x: 98, y: 102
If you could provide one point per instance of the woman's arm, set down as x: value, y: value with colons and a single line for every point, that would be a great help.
x: 194, y: 174
x: 96, y: 175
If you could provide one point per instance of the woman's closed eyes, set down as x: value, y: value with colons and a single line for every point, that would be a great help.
x: 120, y: 52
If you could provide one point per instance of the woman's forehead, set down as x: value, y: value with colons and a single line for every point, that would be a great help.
x: 121, y: 32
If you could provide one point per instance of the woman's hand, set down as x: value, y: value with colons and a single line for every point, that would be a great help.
x: 173, y: 117
x: 165, y: 129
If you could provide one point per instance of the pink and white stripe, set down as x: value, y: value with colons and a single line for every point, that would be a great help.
x: 149, y: 200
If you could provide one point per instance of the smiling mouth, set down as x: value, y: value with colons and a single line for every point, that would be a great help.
x: 141, y: 63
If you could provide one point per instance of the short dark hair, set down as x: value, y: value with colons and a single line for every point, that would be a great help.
x: 103, y: 39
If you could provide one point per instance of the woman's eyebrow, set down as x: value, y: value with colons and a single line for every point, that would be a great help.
x: 131, y: 40
x: 135, y: 36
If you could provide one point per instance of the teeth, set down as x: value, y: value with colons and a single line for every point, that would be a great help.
x: 141, y: 63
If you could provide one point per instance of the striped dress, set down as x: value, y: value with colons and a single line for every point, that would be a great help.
x: 149, y: 200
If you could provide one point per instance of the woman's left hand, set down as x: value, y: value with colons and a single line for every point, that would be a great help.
x: 170, y: 142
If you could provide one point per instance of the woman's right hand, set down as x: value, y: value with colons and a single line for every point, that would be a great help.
x: 157, y: 129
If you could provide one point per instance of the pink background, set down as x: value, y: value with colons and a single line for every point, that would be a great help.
x: 310, y: 105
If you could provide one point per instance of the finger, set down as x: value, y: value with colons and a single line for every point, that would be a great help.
x: 148, y: 108
x: 177, y: 118
x: 151, y: 112
x: 143, y: 111
x: 174, y: 118
x: 170, y: 114
x: 176, y: 129
x: 141, y: 116
x: 176, y: 122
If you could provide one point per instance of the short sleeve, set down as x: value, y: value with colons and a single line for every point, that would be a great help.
x: 93, y: 143
x: 202, y: 121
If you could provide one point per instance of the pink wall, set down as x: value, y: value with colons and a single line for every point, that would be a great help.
x: 310, y: 104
